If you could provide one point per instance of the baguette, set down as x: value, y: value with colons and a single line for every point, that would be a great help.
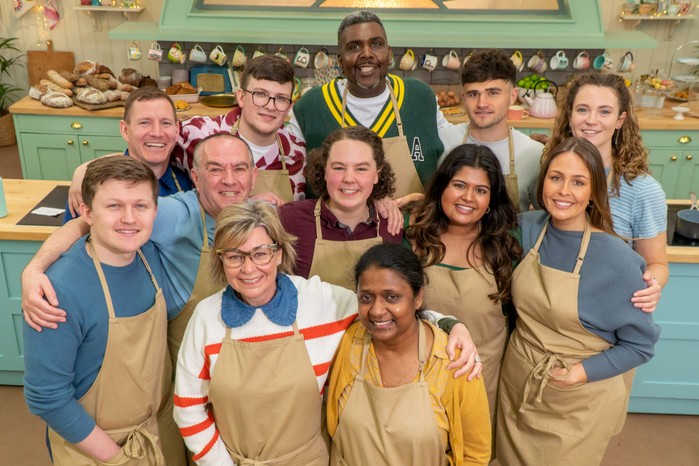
x: 55, y: 87
x: 58, y: 79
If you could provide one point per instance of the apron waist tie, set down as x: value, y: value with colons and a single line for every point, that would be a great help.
x: 140, y: 441
x: 542, y: 374
x: 243, y: 461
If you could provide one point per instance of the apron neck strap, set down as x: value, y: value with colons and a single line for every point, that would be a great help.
x: 316, y: 215
x: 394, y: 103
x: 587, y: 233
x: 174, y: 178
x: 205, y: 239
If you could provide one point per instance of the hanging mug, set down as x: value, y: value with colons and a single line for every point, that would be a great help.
x: 155, y: 53
x: 322, y: 59
x: 537, y: 63
x: 626, y: 64
x: 603, y: 62
x: 175, y: 54
x: 218, y: 56
x: 451, y: 61
x: 559, y: 61
x: 582, y: 61
x: 302, y: 58
x: 197, y: 54
x: 517, y: 60
x: 239, y: 57
x: 407, y: 61
x: 280, y: 53
x: 259, y: 52
x: 391, y: 61
x: 134, y: 52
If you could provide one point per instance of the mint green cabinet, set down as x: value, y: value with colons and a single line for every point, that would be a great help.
x: 51, y: 147
x: 674, y: 160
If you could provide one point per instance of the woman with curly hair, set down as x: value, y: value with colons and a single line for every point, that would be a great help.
x: 462, y: 233
x: 598, y: 108
x: 349, y: 172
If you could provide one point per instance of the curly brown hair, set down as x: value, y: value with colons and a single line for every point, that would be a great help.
x: 630, y: 157
x: 499, y: 248
x: 317, y: 160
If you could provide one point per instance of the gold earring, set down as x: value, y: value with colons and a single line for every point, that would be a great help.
x: 487, y: 210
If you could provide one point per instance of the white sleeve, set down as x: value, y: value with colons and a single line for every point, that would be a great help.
x: 441, y: 120
x: 294, y: 128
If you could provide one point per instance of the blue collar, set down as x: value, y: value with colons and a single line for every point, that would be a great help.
x: 281, y: 309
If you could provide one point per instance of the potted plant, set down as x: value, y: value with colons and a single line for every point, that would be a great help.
x: 10, y: 56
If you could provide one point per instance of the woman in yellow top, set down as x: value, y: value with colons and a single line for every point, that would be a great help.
x: 391, y: 400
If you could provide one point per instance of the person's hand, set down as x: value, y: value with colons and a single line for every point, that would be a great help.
x: 468, y: 360
x: 40, y: 312
x: 647, y: 299
x: 75, y: 196
x: 541, y: 137
x: 567, y: 378
x: 268, y: 197
x: 388, y: 209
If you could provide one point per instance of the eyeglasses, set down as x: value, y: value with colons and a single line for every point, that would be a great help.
x: 261, y: 99
x: 260, y: 255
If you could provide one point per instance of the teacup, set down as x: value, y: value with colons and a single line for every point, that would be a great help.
x: 537, y: 63
x: 197, y: 54
x: 175, y: 54
x: 673, y: 9
x: 559, y: 61
x: 517, y: 112
x: 302, y: 57
x: 603, y: 62
x: 155, y: 53
x: 407, y: 61
x: 239, y: 57
x: 218, y: 56
x: 626, y: 64
x: 451, y: 61
x: 322, y: 59
x: 134, y: 52
x: 280, y: 53
x: 582, y: 61
x: 466, y: 59
x: 517, y: 60
x: 259, y: 52
x: 429, y: 61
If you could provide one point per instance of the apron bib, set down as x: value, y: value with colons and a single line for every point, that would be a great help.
x: 511, y: 178
x: 275, y: 181
x: 333, y: 261
x: 464, y: 294
x: 131, y: 399
x: 266, y: 402
x: 397, y: 153
x: 538, y: 422
x: 388, y: 426
x: 203, y: 288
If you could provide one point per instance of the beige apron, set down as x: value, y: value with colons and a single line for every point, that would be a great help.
x: 538, y: 422
x: 388, y: 426
x: 333, y: 261
x: 464, y: 294
x: 397, y: 152
x: 203, y: 288
x: 511, y: 178
x: 266, y: 402
x: 131, y: 399
x: 275, y: 181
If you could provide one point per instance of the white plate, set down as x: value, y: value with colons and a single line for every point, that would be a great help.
x: 688, y: 61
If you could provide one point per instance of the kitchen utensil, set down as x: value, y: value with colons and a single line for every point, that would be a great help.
x: 687, y: 222
x: 239, y: 58
x: 559, y: 61
x: 218, y: 56
x: 197, y: 54
x: 302, y: 57
x: 407, y: 61
x: 429, y: 61
x: 517, y: 60
x: 219, y: 100
x: 211, y: 79
x: 155, y: 53
x: 679, y: 112
x: 516, y: 112
x: 537, y: 63
x: 543, y: 105
x: 451, y: 61
x: 39, y: 62
x: 175, y: 54
x: 603, y: 62
x: 582, y: 61
x: 134, y: 52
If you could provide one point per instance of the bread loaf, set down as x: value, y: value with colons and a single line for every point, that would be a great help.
x: 56, y: 100
x: 91, y: 96
x: 55, y: 87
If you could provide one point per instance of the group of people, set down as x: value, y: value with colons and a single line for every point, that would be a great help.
x: 305, y: 319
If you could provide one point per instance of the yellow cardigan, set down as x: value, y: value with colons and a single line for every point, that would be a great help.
x: 460, y: 407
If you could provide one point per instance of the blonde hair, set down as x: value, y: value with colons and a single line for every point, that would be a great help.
x: 234, y: 225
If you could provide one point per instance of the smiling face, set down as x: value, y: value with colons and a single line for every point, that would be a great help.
x: 387, y: 304
x: 256, y: 284
x: 350, y: 175
x: 487, y: 103
x: 567, y: 191
x: 260, y: 124
x: 595, y: 116
x: 224, y: 175
x: 151, y: 133
x: 466, y: 197
x: 121, y: 219
x: 364, y: 57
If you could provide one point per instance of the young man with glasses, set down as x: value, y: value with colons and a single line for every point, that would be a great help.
x: 264, y: 99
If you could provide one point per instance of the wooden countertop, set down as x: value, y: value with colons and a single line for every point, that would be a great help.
x: 647, y: 119
x: 21, y: 196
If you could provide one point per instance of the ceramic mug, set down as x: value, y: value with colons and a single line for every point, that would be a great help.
x: 134, y: 52
x: 197, y: 54
x: 407, y: 61
x: 280, y: 53
x: 603, y: 62
x: 673, y: 9
x: 537, y: 63
x: 451, y: 61
x: 466, y: 59
x: 626, y: 64
x: 429, y: 61
x: 392, y: 61
x: 175, y: 54
x: 559, y: 61
x: 164, y: 82
x: 517, y: 60
x: 239, y: 57
x: 302, y: 57
x: 259, y: 52
x: 517, y: 112
x: 582, y: 61
x: 322, y: 59
x: 218, y: 56
x: 155, y: 53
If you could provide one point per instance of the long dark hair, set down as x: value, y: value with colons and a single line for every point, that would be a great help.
x: 498, y: 247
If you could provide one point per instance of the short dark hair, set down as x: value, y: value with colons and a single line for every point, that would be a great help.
x: 358, y: 17
x: 146, y: 94
x: 488, y: 65
x: 116, y: 167
x: 317, y: 161
x: 269, y: 68
x: 395, y: 257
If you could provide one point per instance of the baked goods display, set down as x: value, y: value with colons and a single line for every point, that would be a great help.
x: 181, y: 88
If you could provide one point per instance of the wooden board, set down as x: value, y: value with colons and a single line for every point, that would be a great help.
x: 86, y: 106
x: 39, y: 62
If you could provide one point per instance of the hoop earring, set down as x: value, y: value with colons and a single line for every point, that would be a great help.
x: 487, y: 210
x: 590, y: 204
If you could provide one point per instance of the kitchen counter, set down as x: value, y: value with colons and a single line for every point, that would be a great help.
x: 21, y: 196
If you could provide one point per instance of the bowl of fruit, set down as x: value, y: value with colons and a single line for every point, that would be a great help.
x: 526, y: 85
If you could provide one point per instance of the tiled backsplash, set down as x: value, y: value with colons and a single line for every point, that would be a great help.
x: 440, y: 75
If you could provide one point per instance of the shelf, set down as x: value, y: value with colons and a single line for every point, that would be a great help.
x: 96, y: 12
x: 671, y: 21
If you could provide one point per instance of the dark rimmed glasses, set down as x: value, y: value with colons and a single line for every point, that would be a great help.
x: 261, y: 99
x: 260, y: 255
